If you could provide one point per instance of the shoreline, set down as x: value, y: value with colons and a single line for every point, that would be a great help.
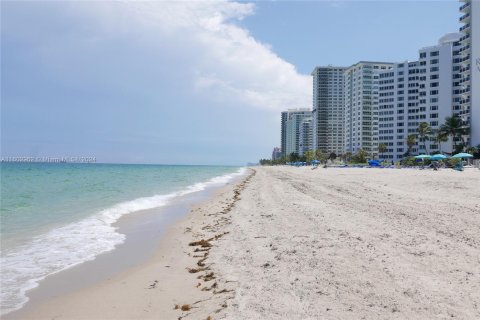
x: 296, y: 243
x: 84, y: 232
x: 71, y: 289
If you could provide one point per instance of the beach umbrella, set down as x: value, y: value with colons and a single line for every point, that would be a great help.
x: 438, y: 157
x: 462, y: 155
x: 423, y: 156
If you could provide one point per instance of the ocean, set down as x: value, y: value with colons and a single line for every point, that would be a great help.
x: 55, y: 216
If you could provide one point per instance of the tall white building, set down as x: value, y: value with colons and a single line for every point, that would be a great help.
x: 328, y: 109
x: 435, y: 93
x: 415, y: 92
x: 293, y: 126
x: 361, y: 106
x: 397, y: 95
x: 467, y: 99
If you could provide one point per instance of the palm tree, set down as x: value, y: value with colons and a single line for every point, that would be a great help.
x: 439, y: 137
x: 453, y: 126
x: 293, y: 157
x: 360, y: 156
x: 382, y: 147
x: 411, y: 140
x: 309, y: 155
x: 320, y: 156
x: 424, y: 131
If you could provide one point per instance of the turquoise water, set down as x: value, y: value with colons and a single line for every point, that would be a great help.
x: 54, y: 216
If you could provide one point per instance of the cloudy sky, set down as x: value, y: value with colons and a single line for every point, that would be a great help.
x: 184, y: 82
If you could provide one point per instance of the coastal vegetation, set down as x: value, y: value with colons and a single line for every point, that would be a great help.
x: 411, y: 141
x: 424, y: 132
x: 382, y: 148
x: 452, y: 128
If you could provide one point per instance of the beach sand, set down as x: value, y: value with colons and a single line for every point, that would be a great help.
x: 297, y: 243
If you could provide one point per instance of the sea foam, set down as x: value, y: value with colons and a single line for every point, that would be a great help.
x: 75, y: 243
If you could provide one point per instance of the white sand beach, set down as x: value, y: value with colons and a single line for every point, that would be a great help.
x: 297, y: 243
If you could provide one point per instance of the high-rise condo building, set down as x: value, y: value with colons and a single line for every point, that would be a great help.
x: 276, y: 153
x: 435, y: 91
x: 328, y: 109
x: 467, y: 86
x: 306, y: 135
x: 361, y: 106
x: 283, y: 133
x: 291, y: 129
x: 414, y: 92
x: 397, y: 95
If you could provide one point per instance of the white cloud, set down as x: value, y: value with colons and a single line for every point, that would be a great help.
x: 226, y: 62
x: 158, y: 78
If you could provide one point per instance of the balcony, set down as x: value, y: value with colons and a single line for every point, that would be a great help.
x: 464, y: 71
x: 465, y: 28
x: 465, y: 52
x: 465, y: 40
x: 464, y: 48
x: 464, y: 7
x: 465, y: 18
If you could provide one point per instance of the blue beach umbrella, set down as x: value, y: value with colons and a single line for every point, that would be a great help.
x: 462, y: 155
x: 423, y: 156
x: 438, y: 157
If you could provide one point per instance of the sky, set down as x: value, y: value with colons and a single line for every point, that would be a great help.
x: 185, y: 82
